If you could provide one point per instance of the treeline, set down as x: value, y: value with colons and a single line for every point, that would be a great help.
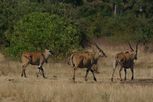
x: 65, y: 25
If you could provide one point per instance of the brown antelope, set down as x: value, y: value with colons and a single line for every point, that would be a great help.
x: 87, y: 60
x: 35, y: 58
x: 126, y: 61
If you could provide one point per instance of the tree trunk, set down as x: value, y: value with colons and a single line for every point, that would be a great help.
x: 114, y: 9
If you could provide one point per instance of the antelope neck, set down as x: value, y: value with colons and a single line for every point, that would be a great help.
x: 96, y: 56
x: 45, y: 55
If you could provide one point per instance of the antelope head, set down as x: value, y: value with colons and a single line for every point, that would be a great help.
x: 135, y: 52
x: 47, y: 53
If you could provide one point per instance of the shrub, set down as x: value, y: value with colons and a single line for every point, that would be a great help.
x: 38, y: 31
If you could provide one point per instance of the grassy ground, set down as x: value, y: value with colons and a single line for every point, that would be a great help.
x: 59, y: 87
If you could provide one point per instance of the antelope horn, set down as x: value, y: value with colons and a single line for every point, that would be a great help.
x: 137, y: 48
x: 130, y: 46
x: 101, y: 50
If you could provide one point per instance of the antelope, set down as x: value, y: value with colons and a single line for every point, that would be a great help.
x: 35, y: 58
x: 87, y: 60
x: 126, y: 61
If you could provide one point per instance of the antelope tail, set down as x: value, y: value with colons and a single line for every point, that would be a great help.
x: 71, y: 62
x: 115, y: 63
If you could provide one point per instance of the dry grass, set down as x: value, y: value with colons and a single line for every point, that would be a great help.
x: 59, y: 87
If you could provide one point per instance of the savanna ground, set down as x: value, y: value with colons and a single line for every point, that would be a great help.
x: 59, y: 87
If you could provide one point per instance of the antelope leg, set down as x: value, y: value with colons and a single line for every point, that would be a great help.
x: 42, y: 71
x: 87, y: 71
x: 132, y: 73
x: 125, y: 73
x: 23, y: 73
x: 74, y: 74
x: 93, y: 74
x: 113, y: 73
x: 114, y: 70
x: 39, y: 72
x: 120, y: 73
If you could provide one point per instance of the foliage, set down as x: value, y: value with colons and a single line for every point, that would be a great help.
x: 12, y: 10
x: 38, y: 31
x: 88, y: 18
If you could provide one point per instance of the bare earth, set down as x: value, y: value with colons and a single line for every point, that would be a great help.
x: 59, y: 87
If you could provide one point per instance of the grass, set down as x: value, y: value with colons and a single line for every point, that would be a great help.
x: 59, y: 87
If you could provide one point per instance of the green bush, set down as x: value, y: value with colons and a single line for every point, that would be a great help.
x: 13, y: 10
x: 38, y: 31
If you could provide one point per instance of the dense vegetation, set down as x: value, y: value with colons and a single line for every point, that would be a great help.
x: 63, y: 25
x: 37, y: 31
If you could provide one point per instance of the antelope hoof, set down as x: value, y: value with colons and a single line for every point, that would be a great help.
x: 86, y: 79
x: 73, y: 79
x: 95, y: 79
x: 112, y: 79
x: 37, y: 75
x: 121, y: 80
x: 25, y: 76
x: 45, y: 77
x: 132, y: 78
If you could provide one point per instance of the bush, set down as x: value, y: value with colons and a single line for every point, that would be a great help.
x: 38, y: 31
x: 13, y: 10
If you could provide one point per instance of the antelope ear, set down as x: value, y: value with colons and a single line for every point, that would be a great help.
x: 51, y: 52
